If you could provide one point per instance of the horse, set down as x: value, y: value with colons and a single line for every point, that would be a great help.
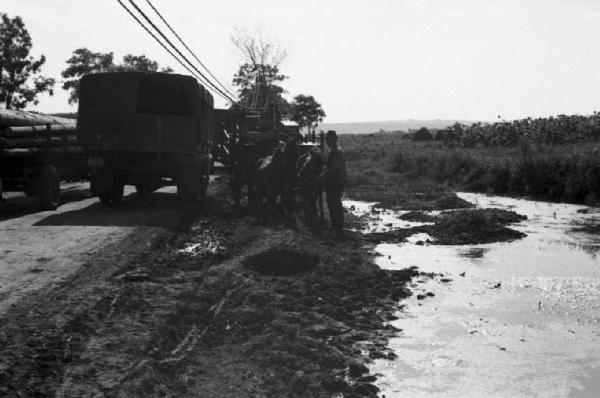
x: 310, y: 166
x: 275, y: 176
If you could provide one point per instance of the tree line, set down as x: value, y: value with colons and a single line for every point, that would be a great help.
x: 259, y: 81
x: 553, y: 130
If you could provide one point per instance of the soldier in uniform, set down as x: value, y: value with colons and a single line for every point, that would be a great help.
x: 333, y: 180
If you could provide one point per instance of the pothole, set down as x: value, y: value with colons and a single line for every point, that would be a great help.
x: 282, y: 262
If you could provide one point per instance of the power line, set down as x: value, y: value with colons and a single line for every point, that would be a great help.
x: 187, y: 48
x: 223, y: 94
x: 156, y: 38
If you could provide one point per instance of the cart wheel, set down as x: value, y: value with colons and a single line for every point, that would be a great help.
x: 49, y: 188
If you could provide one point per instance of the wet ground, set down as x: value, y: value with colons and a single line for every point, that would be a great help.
x: 518, y: 318
x: 155, y: 298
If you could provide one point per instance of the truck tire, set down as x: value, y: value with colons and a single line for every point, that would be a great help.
x: 113, y: 193
x: 189, y: 184
x: 143, y: 189
x: 147, y: 185
x: 104, y: 198
x: 116, y: 195
x: 49, y: 188
x: 30, y: 190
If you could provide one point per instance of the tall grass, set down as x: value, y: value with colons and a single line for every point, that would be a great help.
x: 567, y: 172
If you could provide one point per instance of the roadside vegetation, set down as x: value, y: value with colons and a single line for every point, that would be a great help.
x: 545, y: 165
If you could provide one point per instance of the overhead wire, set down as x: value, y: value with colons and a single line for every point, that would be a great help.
x: 189, y: 50
x: 217, y: 89
x: 156, y: 38
x: 204, y: 79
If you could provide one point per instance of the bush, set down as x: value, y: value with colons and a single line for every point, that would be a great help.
x: 423, y: 135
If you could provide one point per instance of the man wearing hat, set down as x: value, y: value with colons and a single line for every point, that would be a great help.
x: 333, y: 180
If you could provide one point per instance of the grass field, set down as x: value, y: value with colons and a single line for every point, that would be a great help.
x: 568, y: 172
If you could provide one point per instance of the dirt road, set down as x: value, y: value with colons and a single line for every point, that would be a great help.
x: 39, y: 249
x: 54, y: 268
x: 152, y: 298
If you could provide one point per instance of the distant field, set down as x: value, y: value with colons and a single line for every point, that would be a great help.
x: 389, y: 125
x: 565, y: 172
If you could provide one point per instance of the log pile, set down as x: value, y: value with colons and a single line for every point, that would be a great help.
x: 24, y: 133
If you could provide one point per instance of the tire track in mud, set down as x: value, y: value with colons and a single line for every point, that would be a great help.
x: 156, y: 322
x: 46, y: 331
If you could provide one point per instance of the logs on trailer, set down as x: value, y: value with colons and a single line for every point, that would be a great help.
x: 37, y: 142
x: 50, y: 136
x: 36, y: 152
x: 12, y: 118
x: 31, y: 131
x: 29, y: 152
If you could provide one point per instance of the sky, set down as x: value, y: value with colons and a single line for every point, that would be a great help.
x: 362, y: 60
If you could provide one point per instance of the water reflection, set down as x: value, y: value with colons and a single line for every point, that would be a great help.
x: 519, y: 318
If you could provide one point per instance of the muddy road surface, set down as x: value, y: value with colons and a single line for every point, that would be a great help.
x: 152, y: 298
x: 40, y: 249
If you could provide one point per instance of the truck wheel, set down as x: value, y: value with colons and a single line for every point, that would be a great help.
x: 117, y: 192
x: 104, y: 198
x: 147, y: 186
x: 188, y: 185
x: 49, y: 188
x: 30, y: 190
x: 143, y: 189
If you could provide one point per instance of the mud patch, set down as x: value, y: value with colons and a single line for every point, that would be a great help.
x: 282, y: 262
x: 417, y: 216
x: 427, y: 201
x: 467, y: 227
x: 473, y: 252
x: 458, y: 227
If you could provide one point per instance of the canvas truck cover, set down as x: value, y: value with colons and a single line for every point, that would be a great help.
x: 135, y: 111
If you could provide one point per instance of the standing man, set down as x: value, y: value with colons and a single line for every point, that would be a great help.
x: 333, y: 180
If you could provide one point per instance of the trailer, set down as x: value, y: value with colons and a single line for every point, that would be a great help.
x: 148, y: 130
x: 36, y: 153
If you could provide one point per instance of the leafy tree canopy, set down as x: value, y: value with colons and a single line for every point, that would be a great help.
x: 306, y: 111
x: 84, y: 62
x: 20, y: 82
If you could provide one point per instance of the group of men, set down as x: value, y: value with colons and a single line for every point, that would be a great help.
x: 329, y: 177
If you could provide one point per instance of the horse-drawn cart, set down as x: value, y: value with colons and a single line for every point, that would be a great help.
x: 247, y: 135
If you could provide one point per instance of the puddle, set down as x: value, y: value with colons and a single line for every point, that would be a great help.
x: 381, y: 220
x: 519, y: 318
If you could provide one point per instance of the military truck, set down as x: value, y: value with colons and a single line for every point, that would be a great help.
x: 148, y: 130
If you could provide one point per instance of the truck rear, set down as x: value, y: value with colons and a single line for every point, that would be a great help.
x: 148, y: 130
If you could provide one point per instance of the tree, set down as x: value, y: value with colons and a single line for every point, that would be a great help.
x: 306, y: 111
x: 19, y: 80
x: 140, y: 63
x: 84, y: 62
x: 258, y: 78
